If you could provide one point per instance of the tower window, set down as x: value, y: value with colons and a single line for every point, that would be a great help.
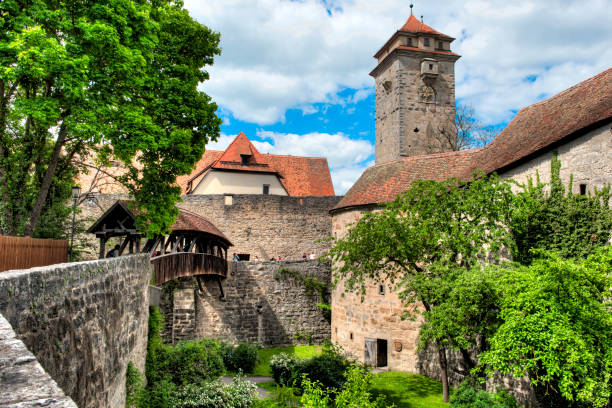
x: 266, y: 189
x: 431, y: 67
x: 409, y: 42
x: 351, y: 336
x: 426, y: 42
x: 440, y: 45
x: 381, y: 290
x: 583, y: 189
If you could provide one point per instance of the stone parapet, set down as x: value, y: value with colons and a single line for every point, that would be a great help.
x: 24, y: 383
x: 83, y: 321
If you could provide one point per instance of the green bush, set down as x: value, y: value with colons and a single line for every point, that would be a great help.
x: 283, y: 397
x: 282, y: 366
x: 328, y: 369
x: 356, y: 392
x: 134, y: 386
x: 467, y: 396
x: 159, y: 395
x: 240, y: 394
x: 241, y: 357
x: 193, y: 362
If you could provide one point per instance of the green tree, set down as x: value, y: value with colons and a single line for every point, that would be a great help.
x: 112, y: 78
x: 556, y: 328
x: 426, y: 234
x: 547, y: 217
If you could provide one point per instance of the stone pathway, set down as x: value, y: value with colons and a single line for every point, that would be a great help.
x: 255, y: 380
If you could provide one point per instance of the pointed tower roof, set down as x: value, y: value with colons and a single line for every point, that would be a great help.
x: 232, y: 158
x: 414, y: 26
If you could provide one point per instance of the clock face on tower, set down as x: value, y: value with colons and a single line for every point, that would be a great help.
x: 427, y: 94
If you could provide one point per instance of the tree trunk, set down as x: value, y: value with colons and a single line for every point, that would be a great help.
x: 47, y: 179
x: 443, y: 372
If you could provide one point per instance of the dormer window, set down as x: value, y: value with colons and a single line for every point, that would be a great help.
x: 245, y: 159
x: 426, y: 42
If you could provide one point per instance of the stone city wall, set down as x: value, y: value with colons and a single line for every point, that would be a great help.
x: 83, y: 321
x: 22, y: 380
x: 265, y: 226
x: 261, y: 304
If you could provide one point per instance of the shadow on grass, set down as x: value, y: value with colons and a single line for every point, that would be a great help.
x: 408, y: 390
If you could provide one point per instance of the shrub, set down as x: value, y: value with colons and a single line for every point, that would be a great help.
x: 240, y: 394
x: 159, y: 394
x: 354, y: 394
x: 466, y: 396
x: 242, y: 357
x: 196, y: 362
x: 134, y: 386
x: 283, y: 366
x: 328, y: 369
x: 283, y: 397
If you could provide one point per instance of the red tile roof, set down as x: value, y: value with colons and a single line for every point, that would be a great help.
x: 414, y: 26
x: 301, y: 176
x: 533, y: 130
x: 190, y: 221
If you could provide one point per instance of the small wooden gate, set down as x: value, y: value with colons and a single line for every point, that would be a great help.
x: 26, y: 252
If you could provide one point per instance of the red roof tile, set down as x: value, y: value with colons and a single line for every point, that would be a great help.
x: 414, y: 26
x: 301, y: 176
x: 190, y: 221
x: 534, y: 129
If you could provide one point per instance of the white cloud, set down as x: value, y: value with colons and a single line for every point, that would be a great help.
x: 347, y: 158
x: 280, y: 54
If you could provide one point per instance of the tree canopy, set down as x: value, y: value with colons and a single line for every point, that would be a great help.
x: 114, y: 79
x: 425, y: 236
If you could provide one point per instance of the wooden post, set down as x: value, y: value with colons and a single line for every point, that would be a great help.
x: 102, y: 246
x: 131, y: 244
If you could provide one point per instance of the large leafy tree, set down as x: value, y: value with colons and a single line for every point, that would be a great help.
x: 112, y: 78
x: 556, y: 328
x: 425, y: 235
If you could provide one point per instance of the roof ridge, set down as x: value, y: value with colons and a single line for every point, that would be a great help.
x: 297, y: 157
x: 568, y: 90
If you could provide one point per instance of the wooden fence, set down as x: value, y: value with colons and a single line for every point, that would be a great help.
x: 25, y: 252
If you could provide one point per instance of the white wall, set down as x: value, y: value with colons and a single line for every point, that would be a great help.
x: 231, y: 182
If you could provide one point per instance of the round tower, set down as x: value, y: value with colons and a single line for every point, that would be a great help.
x: 415, y: 92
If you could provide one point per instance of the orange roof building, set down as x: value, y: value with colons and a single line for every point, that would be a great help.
x: 242, y: 169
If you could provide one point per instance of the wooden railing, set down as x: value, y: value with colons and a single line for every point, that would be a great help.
x: 179, y: 264
x: 25, y: 252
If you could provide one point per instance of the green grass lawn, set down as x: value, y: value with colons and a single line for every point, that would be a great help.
x: 409, y: 390
x: 263, y: 364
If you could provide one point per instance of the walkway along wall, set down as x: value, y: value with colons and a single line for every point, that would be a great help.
x: 265, y: 302
x: 260, y: 225
x: 83, y: 321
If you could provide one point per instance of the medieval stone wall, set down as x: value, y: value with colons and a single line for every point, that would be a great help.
x: 23, y: 381
x: 588, y: 159
x: 261, y: 304
x: 265, y: 226
x: 83, y: 321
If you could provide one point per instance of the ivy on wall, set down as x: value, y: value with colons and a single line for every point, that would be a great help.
x: 311, y: 285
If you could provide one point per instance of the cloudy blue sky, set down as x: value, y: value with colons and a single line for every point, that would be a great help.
x: 293, y: 75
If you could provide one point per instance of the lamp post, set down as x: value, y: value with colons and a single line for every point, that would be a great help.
x: 76, y: 193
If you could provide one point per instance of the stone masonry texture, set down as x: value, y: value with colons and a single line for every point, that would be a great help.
x: 260, y: 305
x: 23, y: 382
x: 405, y: 125
x: 265, y: 226
x: 83, y: 321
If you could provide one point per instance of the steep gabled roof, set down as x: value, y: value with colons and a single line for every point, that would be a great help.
x: 300, y: 176
x: 231, y: 159
x: 534, y: 130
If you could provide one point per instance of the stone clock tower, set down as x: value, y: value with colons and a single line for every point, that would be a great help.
x: 415, y: 93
